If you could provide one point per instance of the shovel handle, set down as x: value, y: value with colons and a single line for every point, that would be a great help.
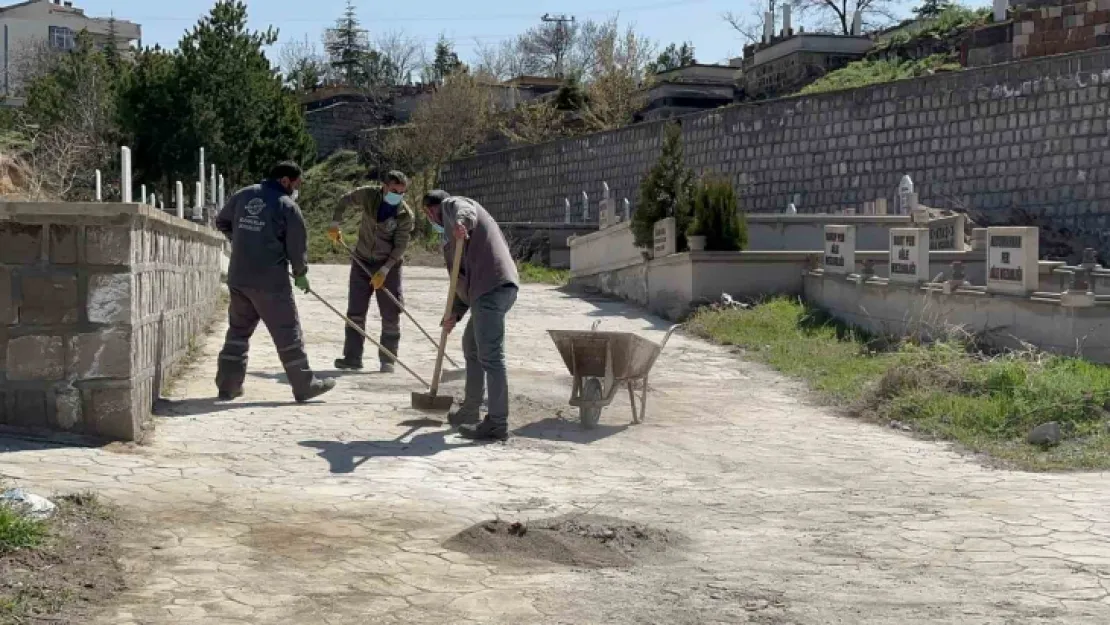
x: 366, y: 336
x: 393, y: 298
x: 447, y: 311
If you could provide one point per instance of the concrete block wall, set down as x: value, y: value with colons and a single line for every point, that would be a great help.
x: 1030, y: 135
x: 98, y: 303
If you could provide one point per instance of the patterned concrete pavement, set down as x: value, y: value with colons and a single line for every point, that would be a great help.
x: 264, y: 511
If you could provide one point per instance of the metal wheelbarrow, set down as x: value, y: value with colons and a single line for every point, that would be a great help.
x: 601, y: 362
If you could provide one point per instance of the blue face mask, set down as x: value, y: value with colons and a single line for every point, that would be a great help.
x: 393, y: 199
x: 438, y: 228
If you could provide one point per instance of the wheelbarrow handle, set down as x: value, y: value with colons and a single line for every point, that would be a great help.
x: 667, y: 337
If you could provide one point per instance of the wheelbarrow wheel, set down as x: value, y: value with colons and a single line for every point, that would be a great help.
x: 590, y: 416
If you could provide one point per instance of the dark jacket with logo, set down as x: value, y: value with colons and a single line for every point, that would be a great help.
x: 382, y: 242
x: 267, y: 235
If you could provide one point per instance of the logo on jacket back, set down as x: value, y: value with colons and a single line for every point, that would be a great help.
x: 251, y: 221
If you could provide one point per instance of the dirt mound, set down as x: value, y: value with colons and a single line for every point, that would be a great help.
x: 582, y: 541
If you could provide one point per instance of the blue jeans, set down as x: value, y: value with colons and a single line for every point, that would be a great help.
x: 484, y: 349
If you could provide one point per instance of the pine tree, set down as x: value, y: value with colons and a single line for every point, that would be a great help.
x: 348, y: 46
x: 675, y: 57
x: 665, y: 192
x: 446, y: 62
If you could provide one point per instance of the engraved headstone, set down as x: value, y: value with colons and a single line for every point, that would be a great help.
x: 947, y: 233
x: 840, y: 249
x: 665, y: 242
x: 1012, y: 255
x: 909, y: 255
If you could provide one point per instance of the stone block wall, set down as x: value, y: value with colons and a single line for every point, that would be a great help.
x: 98, y: 303
x: 1030, y: 135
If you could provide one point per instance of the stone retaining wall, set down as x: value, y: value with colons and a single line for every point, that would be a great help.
x: 1030, y: 135
x: 98, y: 304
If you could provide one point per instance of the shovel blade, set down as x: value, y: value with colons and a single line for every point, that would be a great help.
x: 432, y: 403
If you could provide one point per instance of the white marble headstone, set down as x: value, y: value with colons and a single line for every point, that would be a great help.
x: 1012, y: 260
x: 840, y: 249
x: 909, y: 255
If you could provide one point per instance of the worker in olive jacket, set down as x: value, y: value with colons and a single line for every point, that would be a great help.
x: 383, y: 237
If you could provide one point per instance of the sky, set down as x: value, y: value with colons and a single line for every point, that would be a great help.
x: 466, y: 23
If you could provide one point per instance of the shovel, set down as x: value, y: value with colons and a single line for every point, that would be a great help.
x: 366, y: 336
x: 432, y: 400
x: 449, y: 375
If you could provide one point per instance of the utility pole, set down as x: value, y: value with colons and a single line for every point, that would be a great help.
x: 562, y: 39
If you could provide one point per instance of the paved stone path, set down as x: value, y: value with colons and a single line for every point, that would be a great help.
x: 268, y: 512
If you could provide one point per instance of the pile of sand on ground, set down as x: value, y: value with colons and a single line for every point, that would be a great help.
x: 581, y: 541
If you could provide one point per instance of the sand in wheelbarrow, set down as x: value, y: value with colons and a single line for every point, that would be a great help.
x: 577, y: 541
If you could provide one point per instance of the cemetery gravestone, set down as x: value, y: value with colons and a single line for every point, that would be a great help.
x: 607, y: 215
x: 947, y: 233
x: 840, y: 249
x: 665, y: 243
x: 909, y: 255
x: 1012, y: 255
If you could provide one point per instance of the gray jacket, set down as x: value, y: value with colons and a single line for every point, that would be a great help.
x: 487, y: 262
x: 268, y: 237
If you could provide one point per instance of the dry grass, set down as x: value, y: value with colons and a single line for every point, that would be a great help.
x: 944, y: 389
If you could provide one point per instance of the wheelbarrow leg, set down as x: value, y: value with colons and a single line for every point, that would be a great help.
x: 636, y: 418
x: 643, y: 401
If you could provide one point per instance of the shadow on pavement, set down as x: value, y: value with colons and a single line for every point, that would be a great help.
x: 282, y: 378
x: 347, y: 457
x: 210, y: 405
x: 559, y: 429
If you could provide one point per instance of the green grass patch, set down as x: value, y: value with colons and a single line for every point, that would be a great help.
x: 19, y: 532
x: 945, y: 389
x: 872, y: 72
x: 531, y: 273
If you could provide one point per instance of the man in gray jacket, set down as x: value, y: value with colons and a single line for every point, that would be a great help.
x: 267, y: 234
x: 488, y: 285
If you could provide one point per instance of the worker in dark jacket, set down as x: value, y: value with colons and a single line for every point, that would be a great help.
x: 268, y: 237
x: 487, y: 289
x: 383, y: 236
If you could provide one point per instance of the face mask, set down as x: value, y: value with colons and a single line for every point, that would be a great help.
x: 438, y: 228
x: 393, y: 199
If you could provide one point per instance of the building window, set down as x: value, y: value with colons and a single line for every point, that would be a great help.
x: 62, y: 38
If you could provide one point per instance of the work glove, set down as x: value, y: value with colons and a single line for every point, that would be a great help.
x: 335, y: 234
x: 378, y: 279
x: 301, y: 282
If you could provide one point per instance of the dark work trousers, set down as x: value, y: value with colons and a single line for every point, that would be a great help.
x: 358, y: 305
x: 483, y: 346
x: 278, y: 311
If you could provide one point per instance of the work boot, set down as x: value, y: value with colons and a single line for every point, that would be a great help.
x: 231, y: 395
x: 344, y: 364
x: 317, y: 388
x: 487, y: 430
x: 388, y: 367
x: 462, y: 417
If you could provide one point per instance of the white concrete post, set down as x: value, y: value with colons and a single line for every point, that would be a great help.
x: 203, y: 173
x: 142, y: 193
x: 180, y: 200
x: 198, y: 201
x: 791, y: 209
x: 857, y: 24
x: 125, y: 174
x: 604, y: 191
x: 768, y: 26
x: 99, y: 187
x: 627, y: 209
x: 215, y: 188
x: 1000, y: 8
x: 907, y: 199
x: 222, y: 194
x: 786, y: 26
x: 585, y: 207
x: 566, y: 201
